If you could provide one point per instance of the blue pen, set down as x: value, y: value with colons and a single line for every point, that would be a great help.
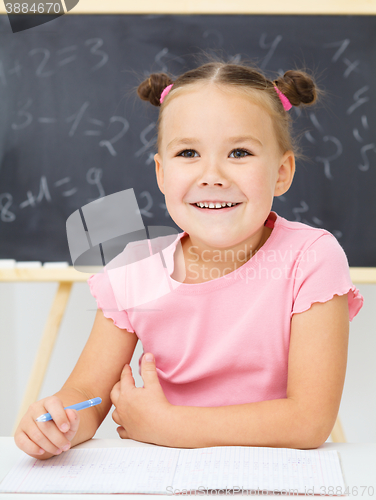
x: 79, y: 406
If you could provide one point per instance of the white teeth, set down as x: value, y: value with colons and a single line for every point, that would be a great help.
x: 211, y: 205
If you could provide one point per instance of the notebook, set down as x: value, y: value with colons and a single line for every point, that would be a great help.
x: 168, y: 471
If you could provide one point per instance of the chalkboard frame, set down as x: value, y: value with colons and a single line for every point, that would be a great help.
x: 287, y: 7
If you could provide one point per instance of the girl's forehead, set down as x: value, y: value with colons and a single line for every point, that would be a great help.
x: 212, y: 92
x: 196, y: 105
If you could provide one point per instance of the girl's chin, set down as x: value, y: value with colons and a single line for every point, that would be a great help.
x: 215, y: 239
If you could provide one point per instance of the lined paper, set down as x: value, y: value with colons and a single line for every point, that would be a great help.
x: 165, y: 470
x: 252, y: 468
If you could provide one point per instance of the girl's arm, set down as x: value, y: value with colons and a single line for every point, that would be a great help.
x: 305, y: 418
x: 97, y: 370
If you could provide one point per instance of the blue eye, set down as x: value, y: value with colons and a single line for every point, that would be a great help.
x: 181, y: 153
x: 241, y: 150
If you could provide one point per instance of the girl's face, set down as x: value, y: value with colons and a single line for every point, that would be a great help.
x: 220, y: 146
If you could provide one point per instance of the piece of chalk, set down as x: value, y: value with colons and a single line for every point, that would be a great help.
x: 29, y: 264
x: 55, y: 265
x: 7, y: 263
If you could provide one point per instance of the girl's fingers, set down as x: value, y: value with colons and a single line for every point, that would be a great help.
x: 55, y: 407
x: 122, y: 432
x: 55, y: 440
x: 52, y: 430
x: 115, y: 416
x: 32, y: 436
x: 51, y: 439
x: 115, y: 392
x: 74, y: 422
x: 43, y: 435
x: 28, y: 446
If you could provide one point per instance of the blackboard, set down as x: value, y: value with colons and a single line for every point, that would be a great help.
x: 71, y: 130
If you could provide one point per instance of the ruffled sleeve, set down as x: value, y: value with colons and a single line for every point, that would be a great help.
x: 322, y: 272
x: 101, y: 289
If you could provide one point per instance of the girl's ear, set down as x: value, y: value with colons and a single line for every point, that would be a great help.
x: 159, y: 171
x: 286, y: 173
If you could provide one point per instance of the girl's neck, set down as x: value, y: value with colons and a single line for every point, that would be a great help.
x: 216, y: 264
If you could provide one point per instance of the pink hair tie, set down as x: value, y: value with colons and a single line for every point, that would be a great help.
x: 286, y: 103
x: 165, y: 92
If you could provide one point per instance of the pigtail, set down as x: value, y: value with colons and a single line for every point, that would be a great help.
x: 298, y: 87
x: 152, y: 88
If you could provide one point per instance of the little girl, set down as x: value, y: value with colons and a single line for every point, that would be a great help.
x: 249, y: 347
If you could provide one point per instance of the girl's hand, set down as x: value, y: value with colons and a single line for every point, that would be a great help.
x: 44, y: 439
x: 141, y: 412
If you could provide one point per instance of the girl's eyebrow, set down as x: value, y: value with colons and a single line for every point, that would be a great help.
x: 193, y: 140
x: 182, y: 140
x: 242, y: 138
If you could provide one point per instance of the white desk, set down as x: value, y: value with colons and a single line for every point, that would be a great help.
x: 358, y: 467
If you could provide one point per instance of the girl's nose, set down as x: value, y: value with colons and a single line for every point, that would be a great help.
x: 212, y: 172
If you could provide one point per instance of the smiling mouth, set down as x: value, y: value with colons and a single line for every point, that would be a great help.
x: 207, y: 209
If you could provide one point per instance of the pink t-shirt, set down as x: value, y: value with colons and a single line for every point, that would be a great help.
x: 226, y: 341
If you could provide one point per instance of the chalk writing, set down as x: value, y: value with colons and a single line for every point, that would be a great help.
x: 72, y: 129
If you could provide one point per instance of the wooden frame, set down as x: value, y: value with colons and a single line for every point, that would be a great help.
x: 325, y: 7
x: 65, y: 277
